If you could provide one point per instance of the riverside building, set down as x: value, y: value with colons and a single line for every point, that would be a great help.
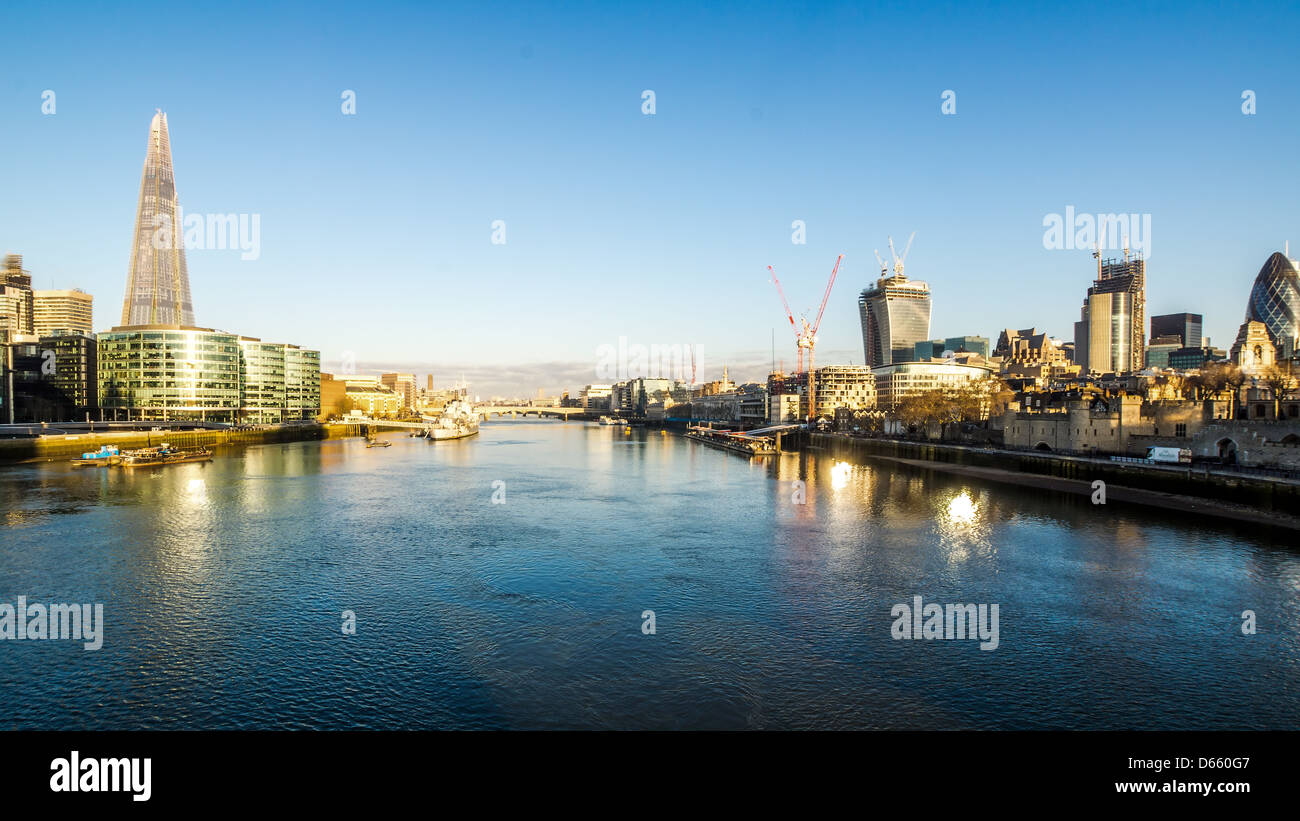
x: 172, y: 372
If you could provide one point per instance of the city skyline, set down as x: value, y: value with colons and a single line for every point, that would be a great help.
x: 374, y: 245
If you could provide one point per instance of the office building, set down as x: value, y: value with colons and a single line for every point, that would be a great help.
x: 1275, y: 301
x: 158, y: 283
x: 261, y: 379
x: 1158, y: 351
x: 893, y: 382
x: 168, y: 372
x: 66, y: 310
x: 895, y: 315
x: 1184, y: 328
x: 1190, y: 359
x: 402, y: 384
x: 1110, y: 334
x: 17, y: 303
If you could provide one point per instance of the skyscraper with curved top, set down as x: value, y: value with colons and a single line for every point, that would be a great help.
x: 158, y: 283
x: 895, y: 315
x: 1275, y: 301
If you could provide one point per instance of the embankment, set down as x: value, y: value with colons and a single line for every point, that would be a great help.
x: 1178, y: 488
x: 52, y: 448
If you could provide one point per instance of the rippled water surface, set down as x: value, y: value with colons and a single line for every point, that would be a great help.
x: 223, y: 585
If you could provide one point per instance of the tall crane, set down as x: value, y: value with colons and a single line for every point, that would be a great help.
x: 811, y: 337
x: 789, y: 315
x: 805, y: 334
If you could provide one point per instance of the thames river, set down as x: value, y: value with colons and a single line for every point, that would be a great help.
x: 512, y: 580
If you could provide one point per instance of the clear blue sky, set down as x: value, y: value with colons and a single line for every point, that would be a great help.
x: 376, y: 227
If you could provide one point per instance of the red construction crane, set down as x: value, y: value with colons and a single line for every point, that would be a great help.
x: 806, y: 336
x: 789, y: 315
x: 811, y: 336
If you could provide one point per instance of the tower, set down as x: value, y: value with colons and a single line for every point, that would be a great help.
x: 895, y: 315
x: 158, y: 283
x: 1110, y: 334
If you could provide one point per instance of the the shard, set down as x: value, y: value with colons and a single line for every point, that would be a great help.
x: 158, y: 284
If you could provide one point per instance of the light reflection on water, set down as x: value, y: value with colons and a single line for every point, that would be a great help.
x: 223, y: 584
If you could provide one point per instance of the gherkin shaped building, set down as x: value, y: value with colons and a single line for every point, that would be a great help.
x: 1275, y: 301
x: 158, y: 283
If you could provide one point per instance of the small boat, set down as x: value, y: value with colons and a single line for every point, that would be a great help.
x: 611, y: 420
x: 105, y: 456
x: 163, y: 454
x: 378, y: 443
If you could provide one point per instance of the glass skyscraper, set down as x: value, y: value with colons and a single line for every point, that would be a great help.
x: 1108, y: 338
x: 895, y: 316
x: 1275, y: 301
x: 158, y: 284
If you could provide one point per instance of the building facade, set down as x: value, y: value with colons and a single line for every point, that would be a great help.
x: 169, y: 372
x: 72, y: 311
x: 893, y: 382
x: 1275, y: 301
x: 17, y: 302
x: 402, y: 384
x: 261, y: 379
x: 1184, y: 328
x: 1110, y: 334
x: 895, y: 315
x: 158, y: 282
x: 842, y: 386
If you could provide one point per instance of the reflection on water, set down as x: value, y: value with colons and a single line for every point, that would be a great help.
x: 771, y: 579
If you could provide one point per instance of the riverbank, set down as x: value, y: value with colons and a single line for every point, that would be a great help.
x: 1180, y: 489
x: 70, y: 446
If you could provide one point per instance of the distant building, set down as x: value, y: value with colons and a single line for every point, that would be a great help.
x: 842, y: 386
x: 1110, y: 334
x: 71, y: 311
x: 1028, y: 347
x: 595, y: 397
x: 723, y: 385
x: 1275, y: 301
x: 893, y: 382
x: 158, y: 283
x: 402, y: 384
x: 1254, y: 351
x: 1182, y: 328
x: 17, y: 303
x: 1190, y: 359
x: 1157, y: 354
x: 895, y: 315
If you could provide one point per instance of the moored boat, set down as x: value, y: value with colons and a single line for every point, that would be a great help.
x: 458, y: 420
x: 105, y: 456
x: 163, y: 454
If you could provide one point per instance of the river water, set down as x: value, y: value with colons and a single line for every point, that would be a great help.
x: 224, y: 584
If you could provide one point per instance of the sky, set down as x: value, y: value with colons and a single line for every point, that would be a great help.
x: 377, y: 227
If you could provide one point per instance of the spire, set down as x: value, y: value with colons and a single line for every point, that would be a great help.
x: 158, y: 283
